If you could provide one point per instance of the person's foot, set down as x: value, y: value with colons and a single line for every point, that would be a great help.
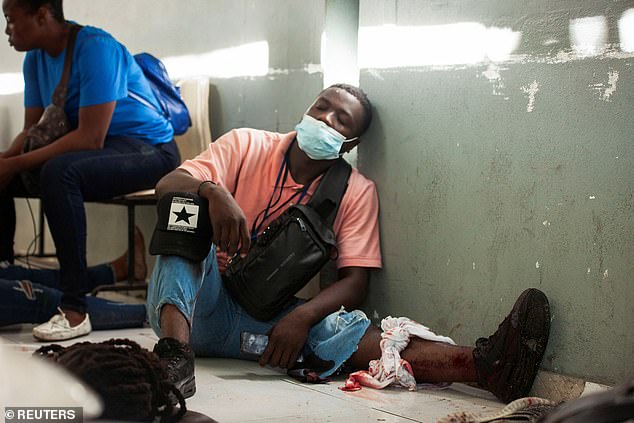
x: 63, y: 326
x: 178, y: 359
x: 120, y: 264
x: 507, y: 361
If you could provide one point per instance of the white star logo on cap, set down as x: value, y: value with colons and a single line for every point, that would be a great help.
x: 183, y: 216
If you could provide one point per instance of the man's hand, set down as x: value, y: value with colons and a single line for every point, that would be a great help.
x: 286, y: 341
x: 288, y: 336
x: 230, y: 232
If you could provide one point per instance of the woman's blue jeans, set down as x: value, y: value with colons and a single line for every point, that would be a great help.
x: 33, y: 295
x: 122, y: 166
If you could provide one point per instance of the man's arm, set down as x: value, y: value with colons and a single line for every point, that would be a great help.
x: 178, y: 180
x: 288, y: 336
x: 229, y: 225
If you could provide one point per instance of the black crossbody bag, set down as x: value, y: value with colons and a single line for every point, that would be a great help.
x: 290, y: 251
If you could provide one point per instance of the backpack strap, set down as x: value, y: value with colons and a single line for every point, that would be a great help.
x: 140, y: 59
x: 146, y: 103
x: 328, y: 195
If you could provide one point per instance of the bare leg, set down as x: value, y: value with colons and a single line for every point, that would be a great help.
x: 505, y: 363
x: 432, y: 362
x: 174, y: 324
x: 74, y: 317
x: 173, y: 350
x: 120, y: 264
x: 439, y: 362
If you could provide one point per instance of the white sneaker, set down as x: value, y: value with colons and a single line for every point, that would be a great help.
x: 59, y: 329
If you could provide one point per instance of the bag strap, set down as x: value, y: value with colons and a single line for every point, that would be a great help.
x: 59, y: 95
x: 146, y: 103
x: 328, y: 195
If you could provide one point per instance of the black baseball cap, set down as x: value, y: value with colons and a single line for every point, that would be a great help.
x: 183, y: 227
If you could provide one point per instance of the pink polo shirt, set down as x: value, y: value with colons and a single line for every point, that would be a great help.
x: 247, y: 162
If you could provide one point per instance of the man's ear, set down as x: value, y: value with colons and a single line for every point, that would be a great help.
x: 347, y: 146
x: 43, y: 14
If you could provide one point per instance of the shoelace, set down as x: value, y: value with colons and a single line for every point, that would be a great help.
x: 173, y: 361
x: 173, y: 358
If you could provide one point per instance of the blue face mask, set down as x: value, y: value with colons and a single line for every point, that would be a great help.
x: 318, y: 140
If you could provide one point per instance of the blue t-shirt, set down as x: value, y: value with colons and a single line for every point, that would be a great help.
x: 103, y: 70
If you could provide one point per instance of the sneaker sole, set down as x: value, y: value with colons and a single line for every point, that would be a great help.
x: 187, y: 389
x: 48, y: 338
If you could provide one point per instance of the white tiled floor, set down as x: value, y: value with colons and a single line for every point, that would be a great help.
x: 240, y: 391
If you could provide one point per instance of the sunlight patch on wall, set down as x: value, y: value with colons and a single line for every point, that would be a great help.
x: 626, y: 31
x: 250, y: 59
x: 11, y: 83
x: 390, y: 46
x: 588, y: 36
x: 336, y: 63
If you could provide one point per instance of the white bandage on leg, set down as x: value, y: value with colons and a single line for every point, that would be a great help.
x: 391, y: 369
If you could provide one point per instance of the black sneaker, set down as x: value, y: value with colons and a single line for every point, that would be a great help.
x: 178, y: 359
x: 507, y: 361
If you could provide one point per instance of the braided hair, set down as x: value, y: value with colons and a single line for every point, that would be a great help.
x: 131, y: 380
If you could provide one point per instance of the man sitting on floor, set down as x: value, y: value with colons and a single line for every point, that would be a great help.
x: 239, y: 174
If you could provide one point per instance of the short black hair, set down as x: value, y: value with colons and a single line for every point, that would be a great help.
x: 360, y: 95
x: 55, y: 6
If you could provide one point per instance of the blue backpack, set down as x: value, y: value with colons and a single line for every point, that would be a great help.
x: 168, y: 95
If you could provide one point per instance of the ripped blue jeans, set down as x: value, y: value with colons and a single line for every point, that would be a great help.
x: 216, y: 320
x: 33, y: 295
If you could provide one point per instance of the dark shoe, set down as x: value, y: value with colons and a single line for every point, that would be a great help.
x: 178, y: 359
x: 507, y: 361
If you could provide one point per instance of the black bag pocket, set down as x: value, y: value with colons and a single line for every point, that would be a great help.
x: 288, y: 254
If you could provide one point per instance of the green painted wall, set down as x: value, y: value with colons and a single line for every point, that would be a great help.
x: 485, y: 192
